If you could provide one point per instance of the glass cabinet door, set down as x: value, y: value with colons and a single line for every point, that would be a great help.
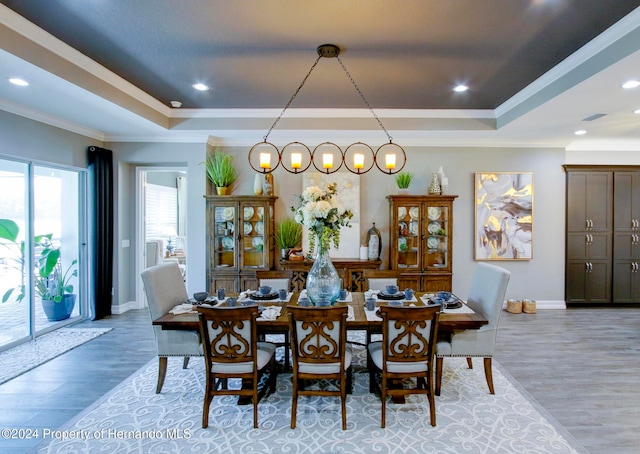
x: 437, y: 234
x: 224, y: 237
x: 409, y: 228
x: 253, y: 236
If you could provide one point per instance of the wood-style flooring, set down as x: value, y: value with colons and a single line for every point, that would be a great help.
x: 582, y: 366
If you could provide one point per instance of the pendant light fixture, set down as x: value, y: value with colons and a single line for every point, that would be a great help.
x: 327, y: 157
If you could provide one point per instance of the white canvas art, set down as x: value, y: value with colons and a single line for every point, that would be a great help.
x: 349, y: 196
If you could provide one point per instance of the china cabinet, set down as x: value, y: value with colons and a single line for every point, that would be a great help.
x: 240, y: 240
x: 420, y: 241
x: 603, y: 234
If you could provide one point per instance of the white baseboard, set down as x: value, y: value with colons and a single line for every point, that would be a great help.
x: 546, y: 305
x: 122, y: 308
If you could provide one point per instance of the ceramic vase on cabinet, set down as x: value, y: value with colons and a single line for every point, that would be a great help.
x: 434, y: 187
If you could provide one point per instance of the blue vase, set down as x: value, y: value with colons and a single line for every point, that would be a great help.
x: 323, y: 281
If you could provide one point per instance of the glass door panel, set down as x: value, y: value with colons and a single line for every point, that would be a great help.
x: 408, y: 236
x: 56, y: 201
x: 224, y: 237
x: 253, y: 255
x: 437, y: 237
x: 15, y: 309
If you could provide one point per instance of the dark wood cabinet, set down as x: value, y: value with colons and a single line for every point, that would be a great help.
x: 626, y: 237
x: 240, y: 240
x: 603, y: 234
x: 420, y: 241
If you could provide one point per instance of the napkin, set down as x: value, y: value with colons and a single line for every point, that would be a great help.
x: 350, y: 314
x: 270, y: 313
x: 245, y: 295
x: 185, y: 308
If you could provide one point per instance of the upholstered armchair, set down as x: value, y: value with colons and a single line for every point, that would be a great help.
x: 486, y: 297
x: 165, y: 289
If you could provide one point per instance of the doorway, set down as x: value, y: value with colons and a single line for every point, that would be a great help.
x: 161, y: 219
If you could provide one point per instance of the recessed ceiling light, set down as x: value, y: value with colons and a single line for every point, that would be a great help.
x: 636, y: 111
x: 580, y: 132
x: 176, y: 104
x: 19, y: 82
x: 201, y: 87
x: 460, y: 88
x: 631, y: 84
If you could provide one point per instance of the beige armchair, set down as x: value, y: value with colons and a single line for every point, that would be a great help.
x: 165, y: 289
x: 486, y: 297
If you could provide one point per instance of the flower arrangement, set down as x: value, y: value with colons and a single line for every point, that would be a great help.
x: 320, y: 212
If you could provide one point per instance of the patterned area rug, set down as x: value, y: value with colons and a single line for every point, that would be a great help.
x: 132, y: 418
x: 20, y: 359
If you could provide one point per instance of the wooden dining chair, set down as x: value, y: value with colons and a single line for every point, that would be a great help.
x: 164, y: 288
x: 486, y: 297
x: 320, y: 352
x: 229, y: 340
x: 278, y: 279
x: 406, y: 351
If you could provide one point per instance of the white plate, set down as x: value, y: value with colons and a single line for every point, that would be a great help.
x: 432, y: 243
x: 260, y: 228
x: 413, y: 228
x: 248, y: 213
x: 434, y: 227
x: 402, y: 212
x: 260, y: 212
x: 227, y: 213
x: 401, y: 242
x: 227, y: 242
x: 257, y: 241
x: 414, y: 213
x: 433, y: 213
x: 247, y: 228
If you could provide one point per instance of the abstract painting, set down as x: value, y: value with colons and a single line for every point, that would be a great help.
x: 503, y: 216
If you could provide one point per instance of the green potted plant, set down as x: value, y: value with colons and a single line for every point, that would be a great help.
x: 53, y: 282
x: 403, y: 180
x: 221, y: 171
x: 288, y: 236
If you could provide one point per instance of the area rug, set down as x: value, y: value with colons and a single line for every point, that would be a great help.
x: 133, y: 418
x: 18, y: 360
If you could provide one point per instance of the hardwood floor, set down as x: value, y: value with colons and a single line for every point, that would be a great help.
x: 582, y: 365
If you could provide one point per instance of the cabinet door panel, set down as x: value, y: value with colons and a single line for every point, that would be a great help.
x: 599, y: 201
x: 627, y: 200
x: 586, y: 245
x: 626, y: 246
x: 599, y: 282
x: 623, y: 281
x: 576, y: 287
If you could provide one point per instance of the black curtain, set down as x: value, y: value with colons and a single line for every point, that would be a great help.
x: 101, y: 182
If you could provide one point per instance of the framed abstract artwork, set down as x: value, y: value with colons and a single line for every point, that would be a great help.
x: 503, y: 216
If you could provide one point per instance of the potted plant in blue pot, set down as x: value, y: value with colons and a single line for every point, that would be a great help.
x: 53, y: 281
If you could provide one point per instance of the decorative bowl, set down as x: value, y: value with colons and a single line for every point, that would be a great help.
x: 264, y: 289
x: 444, y: 295
x: 392, y: 289
x: 200, y: 296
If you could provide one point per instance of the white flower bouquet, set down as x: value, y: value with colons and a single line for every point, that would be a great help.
x: 321, y: 212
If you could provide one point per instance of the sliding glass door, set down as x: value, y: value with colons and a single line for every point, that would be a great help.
x: 15, y: 310
x: 42, y: 252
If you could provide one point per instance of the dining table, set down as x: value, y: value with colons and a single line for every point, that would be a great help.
x: 450, y: 319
